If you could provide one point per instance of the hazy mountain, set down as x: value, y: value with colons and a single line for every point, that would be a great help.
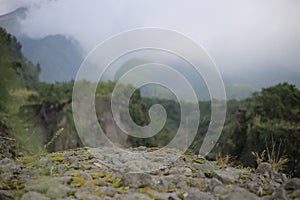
x: 233, y: 90
x: 59, y: 56
x: 10, y: 21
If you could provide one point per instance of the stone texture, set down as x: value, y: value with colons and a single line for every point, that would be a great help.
x: 7, y: 195
x: 135, y: 196
x: 34, y: 196
x: 139, y: 173
x: 137, y: 180
x: 196, y: 194
x: 238, y: 194
x: 265, y: 169
x: 293, y: 184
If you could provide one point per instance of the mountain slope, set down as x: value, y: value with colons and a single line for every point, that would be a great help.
x: 59, y: 56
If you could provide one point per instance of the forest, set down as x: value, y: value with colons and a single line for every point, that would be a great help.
x: 265, y: 126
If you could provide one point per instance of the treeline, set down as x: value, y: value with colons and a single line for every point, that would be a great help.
x: 268, y: 121
x: 15, y: 70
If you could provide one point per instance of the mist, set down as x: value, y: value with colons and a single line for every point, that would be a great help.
x: 254, y: 42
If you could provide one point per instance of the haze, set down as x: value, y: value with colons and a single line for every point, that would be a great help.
x: 252, y: 41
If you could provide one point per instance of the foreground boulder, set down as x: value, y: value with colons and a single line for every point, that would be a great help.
x: 139, y: 173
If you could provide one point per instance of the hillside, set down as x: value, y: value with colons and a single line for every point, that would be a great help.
x: 17, y: 74
x: 59, y: 56
x: 234, y: 90
x: 139, y: 173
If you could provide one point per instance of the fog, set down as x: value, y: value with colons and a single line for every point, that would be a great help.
x: 251, y: 41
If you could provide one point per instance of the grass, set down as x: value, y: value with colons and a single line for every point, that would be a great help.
x: 272, y: 156
x: 55, y: 136
x: 224, y: 160
x: 23, y: 129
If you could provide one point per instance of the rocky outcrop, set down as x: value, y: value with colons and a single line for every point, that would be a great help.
x: 139, y: 173
x: 108, y: 124
x: 7, y: 144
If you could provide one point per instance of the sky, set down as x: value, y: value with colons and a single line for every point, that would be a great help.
x: 247, y: 39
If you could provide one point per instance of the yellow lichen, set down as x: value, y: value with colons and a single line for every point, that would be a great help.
x: 123, y: 189
x: 93, y: 183
x: 78, y: 181
x: 181, y: 195
x: 116, y: 182
x: 97, y: 174
x: 109, y: 177
x: 197, y: 160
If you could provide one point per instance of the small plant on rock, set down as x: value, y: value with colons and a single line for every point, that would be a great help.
x: 272, y: 157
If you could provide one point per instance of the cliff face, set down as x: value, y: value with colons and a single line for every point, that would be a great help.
x: 140, y: 173
x: 7, y: 144
x: 50, y: 119
x: 111, y: 129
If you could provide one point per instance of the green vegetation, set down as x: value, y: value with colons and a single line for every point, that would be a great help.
x: 267, y: 121
x: 16, y: 76
x: 15, y: 70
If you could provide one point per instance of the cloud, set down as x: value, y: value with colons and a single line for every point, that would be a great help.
x: 7, y: 6
x: 242, y: 36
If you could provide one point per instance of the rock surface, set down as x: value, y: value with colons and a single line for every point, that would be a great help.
x: 139, y: 173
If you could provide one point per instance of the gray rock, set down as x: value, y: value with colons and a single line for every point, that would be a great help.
x: 137, y: 180
x: 110, y: 191
x: 292, y: 184
x: 280, y: 177
x: 227, y: 175
x: 213, y: 183
x: 34, y: 196
x: 181, y: 170
x: 5, y: 176
x: 67, y: 153
x: 188, y: 172
x: 176, y: 181
x: 61, y: 168
x: 265, y: 169
x: 163, y: 183
x: 74, y: 161
x: 69, y: 172
x: 295, y: 194
x: 57, y: 191
x: 42, y: 185
x: 7, y: 194
x: 86, y: 196
x: 135, y: 196
x: 8, y: 165
x: 221, y: 190
x: 200, y: 183
x: 43, y: 166
x: 204, y: 167
x: 239, y: 194
x: 189, y: 179
x: 270, y: 188
x: 280, y: 194
x: 162, y: 195
x: 44, y: 162
x: 196, y: 194
x: 87, y: 176
x: 253, y: 187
